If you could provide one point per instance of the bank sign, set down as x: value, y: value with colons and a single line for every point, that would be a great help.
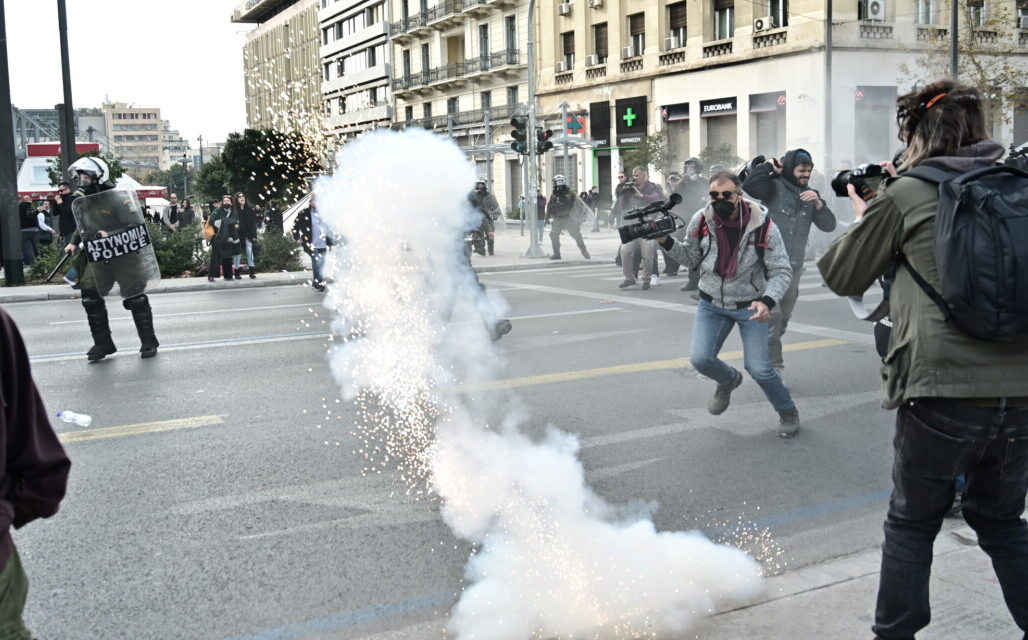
x: 722, y: 107
x: 631, y: 121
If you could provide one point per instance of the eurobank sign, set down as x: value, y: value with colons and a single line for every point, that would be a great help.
x: 722, y: 107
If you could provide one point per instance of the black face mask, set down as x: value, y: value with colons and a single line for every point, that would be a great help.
x: 723, y: 208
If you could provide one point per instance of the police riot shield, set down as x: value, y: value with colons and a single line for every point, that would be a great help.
x: 116, y: 243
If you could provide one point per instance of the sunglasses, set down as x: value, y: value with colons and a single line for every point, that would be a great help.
x: 724, y: 194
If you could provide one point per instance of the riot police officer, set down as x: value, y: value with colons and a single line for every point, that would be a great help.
x: 485, y: 203
x: 115, y: 250
x: 560, y: 209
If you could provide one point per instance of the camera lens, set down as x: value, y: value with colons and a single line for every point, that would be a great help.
x: 839, y: 183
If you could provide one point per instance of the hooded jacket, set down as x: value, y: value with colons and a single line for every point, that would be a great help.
x: 755, y: 278
x: 34, y: 474
x: 780, y: 193
x: 927, y: 356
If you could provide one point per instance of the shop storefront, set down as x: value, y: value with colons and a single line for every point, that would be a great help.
x: 720, y: 122
x: 767, y: 124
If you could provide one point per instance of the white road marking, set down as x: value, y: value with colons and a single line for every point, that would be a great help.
x: 814, y: 330
x: 208, y: 312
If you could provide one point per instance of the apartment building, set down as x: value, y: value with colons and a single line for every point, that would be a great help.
x: 356, y: 70
x: 748, y: 75
x: 135, y: 135
x: 282, y: 64
x: 173, y: 146
x: 460, y: 68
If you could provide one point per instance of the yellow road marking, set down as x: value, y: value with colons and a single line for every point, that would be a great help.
x: 655, y: 365
x: 136, y: 429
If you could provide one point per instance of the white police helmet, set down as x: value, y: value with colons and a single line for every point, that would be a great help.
x: 559, y: 180
x: 93, y: 167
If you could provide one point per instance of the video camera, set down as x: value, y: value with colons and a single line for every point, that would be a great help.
x: 1017, y: 157
x: 859, y: 177
x: 650, y: 229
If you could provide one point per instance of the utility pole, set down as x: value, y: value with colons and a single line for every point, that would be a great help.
x: 68, y: 116
x: 524, y: 190
x: 10, y: 229
x: 534, y: 251
x: 564, y: 124
x: 488, y: 156
x: 200, y: 140
x: 954, y: 39
x: 828, y: 86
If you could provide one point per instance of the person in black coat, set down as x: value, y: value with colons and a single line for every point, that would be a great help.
x: 227, y: 243
x: 248, y: 224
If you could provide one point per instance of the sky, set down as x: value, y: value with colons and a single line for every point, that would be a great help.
x: 184, y: 56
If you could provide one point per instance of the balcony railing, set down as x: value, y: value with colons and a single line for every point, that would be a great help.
x: 438, y: 12
x: 496, y: 60
x: 497, y: 116
x: 409, y: 23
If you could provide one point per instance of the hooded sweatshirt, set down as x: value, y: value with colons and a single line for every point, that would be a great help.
x: 34, y: 472
x: 780, y: 193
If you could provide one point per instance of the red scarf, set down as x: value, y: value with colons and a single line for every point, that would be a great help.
x: 728, y: 255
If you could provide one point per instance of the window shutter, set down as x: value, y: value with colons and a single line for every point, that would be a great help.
x: 976, y: 3
x: 600, y: 35
x: 637, y: 24
x: 569, y: 43
x: 676, y: 15
x: 723, y: 4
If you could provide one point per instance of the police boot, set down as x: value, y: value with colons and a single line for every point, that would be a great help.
x: 96, y: 316
x: 143, y: 317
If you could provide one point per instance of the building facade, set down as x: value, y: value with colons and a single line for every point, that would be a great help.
x: 282, y: 65
x: 460, y: 68
x: 732, y: 79
x: 135, y: 135
x: 173, y: 146
x: 356, y: 69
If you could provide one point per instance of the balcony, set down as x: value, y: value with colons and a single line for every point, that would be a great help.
x: 446, y: 15
x: 717, y: 49
x: 929, y: 33
x: 769, y: 38
x: 675, y: 56
x: 476, y: 8
x: 500, y: 62
x: 870, y: 30
x: 496, y: 62
x: 598, y: 71
x: 986, y: 36
x: 257, y: 11
x: 405, y: 29
x: 498, y: 117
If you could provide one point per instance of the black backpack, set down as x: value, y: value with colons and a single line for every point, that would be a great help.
x: 981, y: 250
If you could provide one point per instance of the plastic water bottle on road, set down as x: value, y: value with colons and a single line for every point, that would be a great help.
x: 80, y: 419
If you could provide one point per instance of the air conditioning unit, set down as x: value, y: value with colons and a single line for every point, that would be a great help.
x: 876, y: 10
x: 564, y: 9
x: 595, y: 4
x: 628, y: 52
x: 592, y: 61
x: 1022, y: 22
x: 561, y: 66
x: 765, y: 23
x: 671, y: 43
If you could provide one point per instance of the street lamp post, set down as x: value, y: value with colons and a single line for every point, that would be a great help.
x: 532, y: 204
x: 68, y: 114
x: 11, y: 230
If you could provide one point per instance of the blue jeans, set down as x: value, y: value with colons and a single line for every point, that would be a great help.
x: 318, y: 266
x: 937, y: 440
x: 238, y: 258
x: 709, y: 332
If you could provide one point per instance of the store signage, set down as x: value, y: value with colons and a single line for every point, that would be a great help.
x: 631, y: 120
x: 599, y: 118
x: 722, y: 107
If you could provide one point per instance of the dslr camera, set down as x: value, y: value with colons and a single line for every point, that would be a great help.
x: 649, y: 229
x: 865, y: 178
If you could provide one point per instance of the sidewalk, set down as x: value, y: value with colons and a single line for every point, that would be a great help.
x: 510, y: 249
x: 836, y: 599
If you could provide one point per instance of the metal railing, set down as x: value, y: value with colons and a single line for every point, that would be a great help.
x: 443, y: 10
x: 497, y: 115
x: 456, y: 70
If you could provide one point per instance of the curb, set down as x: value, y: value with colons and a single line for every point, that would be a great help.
x: 13, y: 298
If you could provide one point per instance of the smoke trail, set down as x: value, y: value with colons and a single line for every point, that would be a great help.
x: 552, y: 559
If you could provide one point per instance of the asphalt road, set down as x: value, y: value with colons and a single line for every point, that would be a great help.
x: 217, y: 493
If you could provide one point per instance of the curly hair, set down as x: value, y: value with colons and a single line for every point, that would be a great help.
x: 938, y: 119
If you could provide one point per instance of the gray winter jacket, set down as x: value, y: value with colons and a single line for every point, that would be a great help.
x: 750, y: 282
x: 792, y: 216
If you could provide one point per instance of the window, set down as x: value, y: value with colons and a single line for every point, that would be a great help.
x: 406, y: 63
x: 637, y: 32
x: 512, y: 96
x: 600, y: 42
x: 779, y: 10
x: 338, y: 29
x: 427, y: 110
x: 977, y: 11
x: 1022, y: 14
x: 511, y: 32
x: 487, y: 100
x: 568, y: 49
x: 483, y: 41
x: 724, y: 19
x: 925, y: 12
x: 340, y: 67
x: 408, y: 113
x: 676, y: 22
x: 342, y: 105
x: 324, y: 36
x: 373, y: 15
x: 452, y: 106
x: 426, y: 61
x: 328, y: 72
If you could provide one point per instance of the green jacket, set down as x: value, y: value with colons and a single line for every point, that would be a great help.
x: 927, y: 357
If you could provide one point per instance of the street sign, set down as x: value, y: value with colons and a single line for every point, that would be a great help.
x: 575, y: 125
x: 631, y: 120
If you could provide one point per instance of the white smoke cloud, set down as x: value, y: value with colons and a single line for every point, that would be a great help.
x: 552, y: 558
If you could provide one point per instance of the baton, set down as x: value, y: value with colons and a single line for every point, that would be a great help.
x: 58, y: 267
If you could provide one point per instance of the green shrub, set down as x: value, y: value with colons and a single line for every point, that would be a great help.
x: 49, y: 256
x: 178, y: 253
x: 278, y: 253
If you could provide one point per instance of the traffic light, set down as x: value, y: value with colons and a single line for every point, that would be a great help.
x: 520, y: 134
x: 542, y: 137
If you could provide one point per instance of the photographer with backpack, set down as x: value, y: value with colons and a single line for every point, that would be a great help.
x: 954, y: 226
